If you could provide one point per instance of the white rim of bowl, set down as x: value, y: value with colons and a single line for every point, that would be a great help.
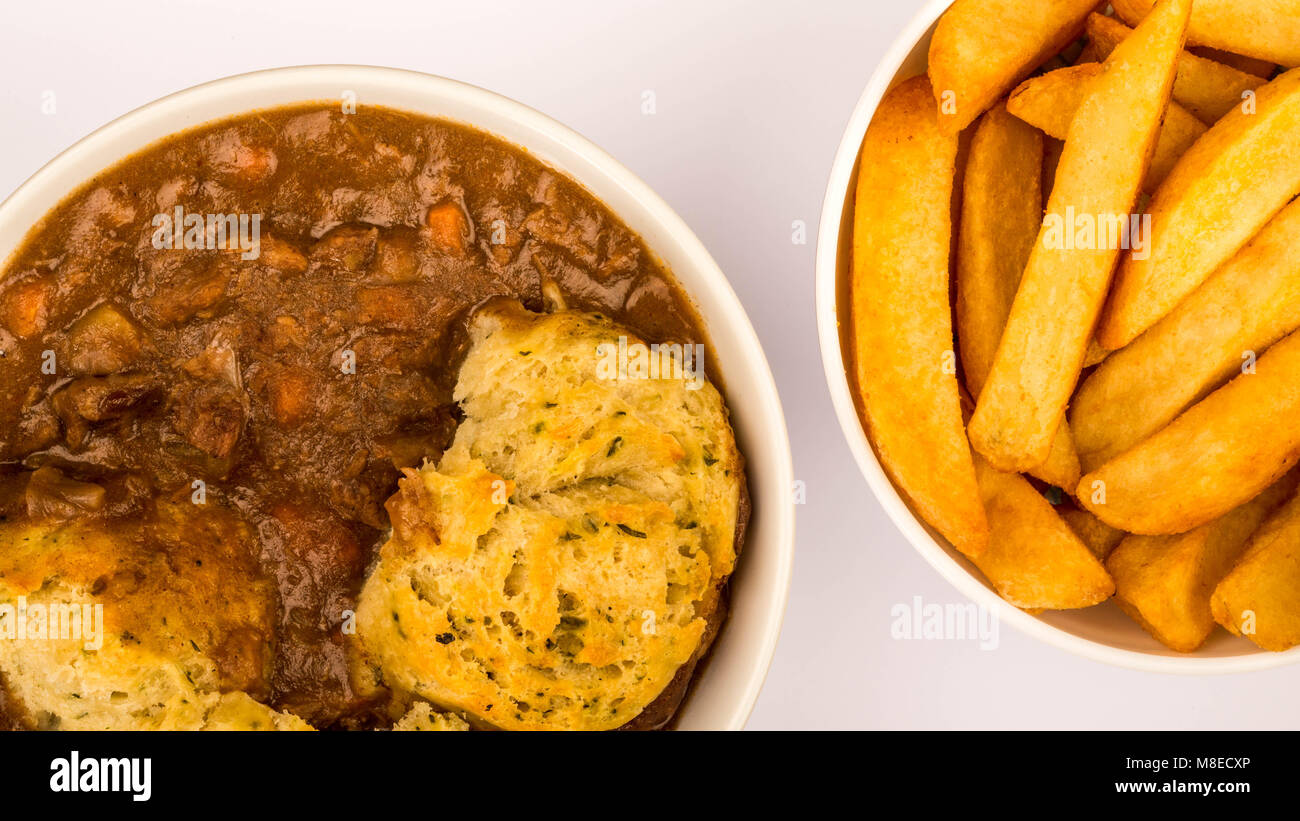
x: 147, y: 118
x: 828, y: 242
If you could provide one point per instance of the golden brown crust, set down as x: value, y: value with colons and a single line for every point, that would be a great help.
x: 981, y: 49
x: 903, y: 362
x: 165, y: 623
x: 1209, y: 460
x: 1221, y: 192
x: 562, y: 564
x: 1107, y: 153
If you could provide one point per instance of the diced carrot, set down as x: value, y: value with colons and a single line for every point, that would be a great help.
x: 447, y: 227
x: 25, y: 308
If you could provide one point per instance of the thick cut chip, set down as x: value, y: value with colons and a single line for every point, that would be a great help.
x: 1247, y: 305
x: 1165, y: 582
x: 1001, y: 207
x: 1034, y: 560
x: 1251, y: 65
x: 981, y: 48
x: 1090, y: 54
x: 1107, y: 153
x: 1223, y: 190
x: 1260, y: 598
x: 1207, y: 89
x: 1062, y: 465
x: 1100, y: 537
x: 1095, y: 354
x: 1049, y: 101
x: 901, y: 320
x: 1265, y: 29
x: 1224, y: 450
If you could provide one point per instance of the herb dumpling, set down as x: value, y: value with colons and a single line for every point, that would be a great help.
x: 422, y: 718
x: 160, y: 622
x: 561, y: 563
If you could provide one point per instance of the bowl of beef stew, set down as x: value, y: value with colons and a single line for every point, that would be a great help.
x: 254, y: 295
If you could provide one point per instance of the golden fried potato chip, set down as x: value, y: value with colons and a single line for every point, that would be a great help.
x: 1224, y: 450
x: 1223, y: 190
x: 1095, y: 354
x: 1100, y: 537
x: 1090, y: 54
x: 1165, y: 582
x: 1265, y: 29
x: 1260, y: 598
x: 1107, y: 152
x: 1049, y: 101
x: 1053, y: 148
x: 1205, y: 88
x: 1034, y: 560
x: 1264, y: 69
x: 1247, y: 305
x: 901, y: 321
x: 981, y: 48
x: 1001, y: 208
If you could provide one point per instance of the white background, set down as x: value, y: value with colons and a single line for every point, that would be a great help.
x: 752, y: 98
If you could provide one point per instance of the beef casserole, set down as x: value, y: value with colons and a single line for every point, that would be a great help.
x: 232, y: 365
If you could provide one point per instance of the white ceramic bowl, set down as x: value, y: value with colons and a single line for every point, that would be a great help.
x: 728, y: 685
x: 1103, y: 633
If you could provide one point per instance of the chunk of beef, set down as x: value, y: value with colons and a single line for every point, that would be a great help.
x: 347, y: 248
x: 102, y: 342
x: 209, y: 408
x: 52, y: 495
x: 93, y: 399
